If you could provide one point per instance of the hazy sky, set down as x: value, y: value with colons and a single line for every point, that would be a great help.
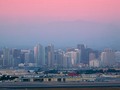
x: 61, y: 22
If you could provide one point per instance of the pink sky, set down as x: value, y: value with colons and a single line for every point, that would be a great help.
x: 94, y: 22
x: 42, y: 10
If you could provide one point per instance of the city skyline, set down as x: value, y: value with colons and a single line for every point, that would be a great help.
x: 63, y: 22
x: 48, y: 56
x: 59, y: 44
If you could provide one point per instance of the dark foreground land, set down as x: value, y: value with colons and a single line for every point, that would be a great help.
x: 60, y: 86
x: 75, y: 89
x: 66, y: 89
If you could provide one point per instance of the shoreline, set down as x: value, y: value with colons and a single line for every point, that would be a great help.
x: 22, y: 85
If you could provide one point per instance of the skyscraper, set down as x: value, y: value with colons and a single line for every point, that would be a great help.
x: 84, y: 53
x: 74, y: 57
x: 81, y: 47
x: 6, y: 57
x: 117, y: 57
x: 49, y: 55
x: 27, y: 58
x: 92, y: 56
x: 107, y: 58
x: 39, y: 55
x: 58, y: 58
x: 16, y: 57
x: 94, y: 63
x: 67, y: 61
x: 78, y: 56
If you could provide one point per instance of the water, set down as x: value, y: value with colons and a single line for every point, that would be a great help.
x: 104, y: 88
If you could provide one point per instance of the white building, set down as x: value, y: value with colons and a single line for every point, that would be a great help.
x: 67, y: 61
x: 94, y: 63
x: 117, y: 56
x: 74, y: 56
x: 107, y: 58
x: 39, y: 55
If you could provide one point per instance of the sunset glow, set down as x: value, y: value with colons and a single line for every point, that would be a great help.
x: 26, y: 22
x: 97, y: 10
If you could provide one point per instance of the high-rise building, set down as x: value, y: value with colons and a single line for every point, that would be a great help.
x: 39, y: 55
x: 81, y: 47
x: 49, y: 56
x: 74, y: 57
x: 58, y: 58
x: 6, y: 57
x: 16, y: 57
x: 67, y: 63
x: 87, y: 52
x: 27, y: 58
x: 1, y: 58
x: 31, y: 56
x: 93, y: 60
x: 107, y: 58
x: 92, y: 56
x: 78, y: 56
x: 117, y: 57
x: 22, y: 57
x: 84, y: 53
x: 94, y: 63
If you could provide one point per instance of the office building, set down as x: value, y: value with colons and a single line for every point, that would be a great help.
x: 94, y: 63
x: 107, y: 58
x: 58, y: 58
x: 39, y: 55
x: 49, y: 56
x: 6, y: 57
